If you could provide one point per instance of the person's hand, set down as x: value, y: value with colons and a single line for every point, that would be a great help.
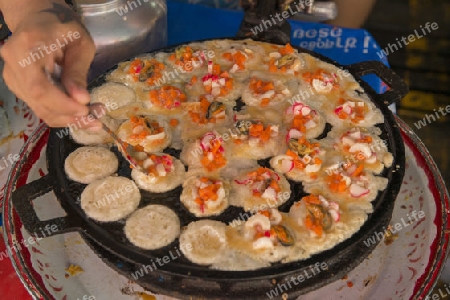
x: 46, y: 36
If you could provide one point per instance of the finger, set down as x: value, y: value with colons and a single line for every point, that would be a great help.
x: 31, y: 84
x: 97, y: 109
x: 41, y: 111
x: 85, y: 122
x: 77, y: 60
x: 79, y: 94
x: 48, y: 116
x: 51, y: 97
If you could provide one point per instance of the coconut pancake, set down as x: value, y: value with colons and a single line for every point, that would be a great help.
x: 252, y: 139
x: 205, y: 196
x: 117, y: 98
x: 302, y: 120
x: 302, y: 161
x: 143, y: 72
x: 259, y: 187
x: 165, y: 173
x: 149, y: 132
x: 152, y: 227
x: 87, y: 164
x: 110, y: 199
x: 98, y: 137
x: 208, y: 241
x: 262, y: 237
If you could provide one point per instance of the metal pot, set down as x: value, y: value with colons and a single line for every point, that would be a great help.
x: 123, y: 28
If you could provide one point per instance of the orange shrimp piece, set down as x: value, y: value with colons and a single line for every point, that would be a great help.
x: 209, y: 192
x: 138, y: 66
x: 199, y: 116
x: 135, y: 68
x: 300, y: 121
x: 311, y: 225
x: 365, y: 139
x: 185, y: 59
x: 216, y: 75
x: 265, y: 102
x: 312, y: 199
x: 228, y: 56
x: 288, y: 49
x: 272, y: 67
x: 155, y: 128
x: 321, y: 75
x: 238, y: 58
x: 336, y: 183
x: 257, y: 175
x: 167, y: 97
x: 259, y: 86
x: 265, y: 213
x: 219, y: 160
x: 258, y: 131
x: 359, y: 171
x: 274, y: 184
x: 359, y: 113
x: 164, y: 160
x: 216, y: 69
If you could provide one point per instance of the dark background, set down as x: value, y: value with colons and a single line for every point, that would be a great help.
x: 423, y: 64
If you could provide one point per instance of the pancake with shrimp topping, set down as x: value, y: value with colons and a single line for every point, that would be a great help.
x: 165, y: 173
x: 205, y: 196
x: 259, y: 187
x: 150, y: 133
x: 252, y: 139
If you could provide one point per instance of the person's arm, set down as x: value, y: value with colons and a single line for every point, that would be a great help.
x: 352, y: 13
x: 46, y: 32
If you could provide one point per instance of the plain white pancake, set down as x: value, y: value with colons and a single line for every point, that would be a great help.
x: 89, y: 137
x: 113, y: 95
x: 87, y: 164
x: 152, y: 227
x: 208, y: 241
x: 110, y: 199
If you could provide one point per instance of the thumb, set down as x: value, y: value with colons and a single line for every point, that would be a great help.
x: 76, y: 63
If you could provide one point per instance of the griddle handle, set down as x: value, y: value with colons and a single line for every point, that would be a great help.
x: 397, y: 87
x: 22, y: 199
